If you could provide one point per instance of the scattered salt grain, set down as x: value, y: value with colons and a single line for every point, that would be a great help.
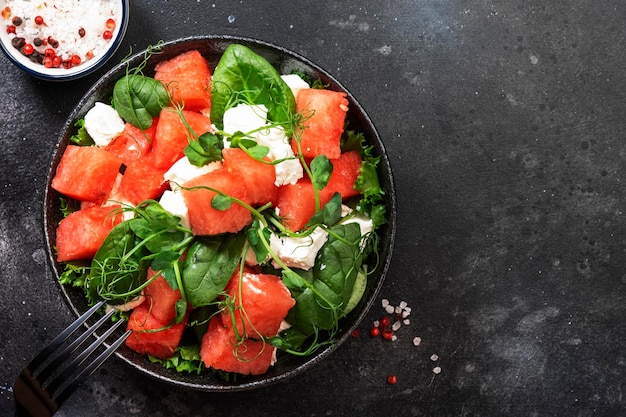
x: 437, y: 370
x: 396, y: 325
x: 403, y: 304
x: 417, y: 340
x: 385, y: 303
x: 376, y: 323
x: 434, y: 357
x: 394, y: 338
x: 389, y: 309
x: 406, y: 322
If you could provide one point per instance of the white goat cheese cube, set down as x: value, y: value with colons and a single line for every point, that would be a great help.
x: 183, y: 171
x: 295, y: 83
x: 103, y: 124
x: 299, y: 252
x: 245, y: 118
x: 288, y: 171
x: 174, y: 203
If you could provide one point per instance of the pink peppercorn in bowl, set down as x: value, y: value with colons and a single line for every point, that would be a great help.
x: 61, y: 40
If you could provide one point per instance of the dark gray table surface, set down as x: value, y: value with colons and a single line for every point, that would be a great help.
x: 505, y: 124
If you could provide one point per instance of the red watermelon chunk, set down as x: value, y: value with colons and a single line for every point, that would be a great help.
x: 187, y: 77
x: 151, y: 336
x: 324, y: 113
x: 172, y: 136
x: 206, y: 220
x: 346, y: 170
x: 261, y: 299
x: 258, y: 177
x: 161, y: 298
x: 132, y: 143
x: 81, y: 233
x: 296, y: 203
x: 142, y: 181
x: 86, y: 173
x: 219, y: 351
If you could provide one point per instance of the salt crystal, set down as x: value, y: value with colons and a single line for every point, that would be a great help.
x: 406, y: 322
x: 396, y: 325
x: 389, y: 309
x: 394, y: 338
x: 398, y: 310
x: 434, y: 357
x: 437, y: 370
x: 385, y: 302
x: 417, y: 340
x: 376, y: 323
x: 403, y: 304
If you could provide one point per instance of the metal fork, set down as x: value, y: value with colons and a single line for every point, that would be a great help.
x: 51, y: 377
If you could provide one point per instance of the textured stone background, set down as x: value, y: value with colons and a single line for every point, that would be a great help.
x: 504, y: 123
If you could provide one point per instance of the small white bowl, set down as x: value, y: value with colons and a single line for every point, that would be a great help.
x: 38, y: 70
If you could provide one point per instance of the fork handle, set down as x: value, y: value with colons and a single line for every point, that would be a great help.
x: 27, y: 403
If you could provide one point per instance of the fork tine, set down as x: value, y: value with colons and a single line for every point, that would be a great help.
x: 33, y: 395
x: 61, y: 356
x: 87, y: 371
x: 62, y: 337
x: 64, y: 375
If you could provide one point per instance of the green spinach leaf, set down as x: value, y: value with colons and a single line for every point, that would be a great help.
x: 119, y: 268
x: 329, y: 287
x: 209, y: 265
x: 138, y: 99
x: 242, y: 76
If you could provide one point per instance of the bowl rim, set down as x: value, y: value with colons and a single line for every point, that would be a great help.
x: 382, y: 268
x: 60, y: 74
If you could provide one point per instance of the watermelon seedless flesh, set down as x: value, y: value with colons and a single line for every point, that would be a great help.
x: 86, y: 173
x: 81, y: 233
x: 198, y: 194
x: 324, y: 114
x: 265, y: 300
x: 220, y: 350
x: 150, y: 335
x: 187, y: 77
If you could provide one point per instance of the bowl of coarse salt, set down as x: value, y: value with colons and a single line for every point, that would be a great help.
x: 60, y: 40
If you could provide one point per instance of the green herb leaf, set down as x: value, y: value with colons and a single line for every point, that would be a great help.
x: 207, y: 149
x: 209, y: 265
x: 329, y: 214
x: 118, y: 268
x: 221, y: 202
x: 322, y: 303
x: 242, y: 76
x: 138, y: 99
x: 254, y: 233
x: 81, y: 137
x: 321, y: 168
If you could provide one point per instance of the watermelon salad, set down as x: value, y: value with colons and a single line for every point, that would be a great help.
x: 228, y: 213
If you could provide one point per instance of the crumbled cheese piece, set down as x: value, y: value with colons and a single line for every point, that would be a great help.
x: 299, y: 252
x: 245, y: 118
x: 288, y: 171
x: 295, y: 83
x: 174, y: 203
x: 183, y: 171
x: 103, y: 123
